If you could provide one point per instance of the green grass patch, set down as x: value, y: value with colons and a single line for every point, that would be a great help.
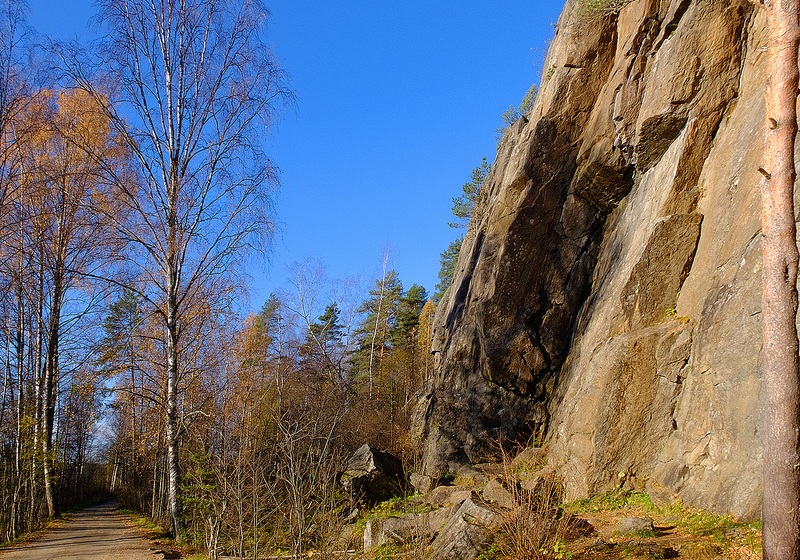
x: 393, y: 507
x: 491, y: 553
x: 387, y: 551
x: 712, y: 534
x: 700, y: 523
x: 613, y: 501
x: 645, y: 534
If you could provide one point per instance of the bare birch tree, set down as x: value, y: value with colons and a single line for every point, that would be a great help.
x: 190, y: 86
x: 13, y: 89
x: 378, y: 318
x: 781, y: 518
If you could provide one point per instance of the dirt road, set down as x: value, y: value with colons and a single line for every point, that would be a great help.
x: 96, y: 533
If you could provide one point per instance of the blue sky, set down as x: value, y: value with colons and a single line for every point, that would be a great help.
x: 397, y: 103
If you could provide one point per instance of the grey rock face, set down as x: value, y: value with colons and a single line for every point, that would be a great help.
x: 606, y: 300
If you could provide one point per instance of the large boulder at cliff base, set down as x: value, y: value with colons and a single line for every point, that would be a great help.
x: 466, y: 532
x: 374, y: 476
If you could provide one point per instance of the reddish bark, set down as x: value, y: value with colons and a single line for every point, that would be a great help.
x: 781, y: 416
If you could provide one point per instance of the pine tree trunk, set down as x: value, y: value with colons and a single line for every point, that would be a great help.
x: 781, y: 518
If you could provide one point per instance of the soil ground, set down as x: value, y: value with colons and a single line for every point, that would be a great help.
x: 672, y: 537
x: 95, y: 533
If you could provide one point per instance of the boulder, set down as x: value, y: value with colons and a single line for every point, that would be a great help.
x: 495, y: 492
x: 468, y: 475
x: 635, y: 525
x: 374, y: 476
x: 421, y: 482
x: 466, y: 532
x: 530, y: 459
x: 402, y: 529
x: 447, y: 495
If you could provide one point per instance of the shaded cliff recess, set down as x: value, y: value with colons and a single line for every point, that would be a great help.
x: 606, y: 304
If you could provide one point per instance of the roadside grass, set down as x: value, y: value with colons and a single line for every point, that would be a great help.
x: 145, y: 523
x: 33, y: 535
x: 54, y: 523
x: 161, y: 537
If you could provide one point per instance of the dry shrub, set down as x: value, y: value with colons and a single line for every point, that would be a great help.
x: 536, y: 529
x: 603, y: 7
x: 592, y: 12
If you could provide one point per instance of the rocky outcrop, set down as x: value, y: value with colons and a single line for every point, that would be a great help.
x: 606, y: 300
x: 407, y: 528
x: 450, y: 522
x: 466, y: 532
x: 373, y: 476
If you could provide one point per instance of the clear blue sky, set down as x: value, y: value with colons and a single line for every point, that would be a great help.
x: 397, y: 103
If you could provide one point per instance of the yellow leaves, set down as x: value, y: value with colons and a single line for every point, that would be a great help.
x: 254, y: 339
x: 65, y: 133
x: 82, y: 118
x: 65, y: 147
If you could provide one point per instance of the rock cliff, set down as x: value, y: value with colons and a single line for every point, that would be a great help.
x: 606, y: 302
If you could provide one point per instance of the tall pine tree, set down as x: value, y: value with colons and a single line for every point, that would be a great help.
x: 380, y: 318
x: 323, y: 349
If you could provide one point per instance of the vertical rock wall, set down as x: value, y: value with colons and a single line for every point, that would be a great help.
x: 607, y: 297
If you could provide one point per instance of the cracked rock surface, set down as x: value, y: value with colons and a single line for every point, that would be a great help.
x: 607, y: 295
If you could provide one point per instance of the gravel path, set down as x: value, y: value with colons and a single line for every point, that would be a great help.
x: 96, y: 533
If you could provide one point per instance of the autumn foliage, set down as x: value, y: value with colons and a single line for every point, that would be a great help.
x: 127, y: 369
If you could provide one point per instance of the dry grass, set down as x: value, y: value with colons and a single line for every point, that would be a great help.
x: 603, y: 7
x: 542, y: 527
x: 680, y: 532
x: 537, y: 527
